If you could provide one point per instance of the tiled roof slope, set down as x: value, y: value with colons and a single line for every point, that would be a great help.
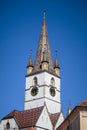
x: 84, y: 103
x: 54, y: 118
x: 27, y: 118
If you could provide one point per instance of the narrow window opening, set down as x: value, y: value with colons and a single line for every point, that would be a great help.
x: 52, y: 82
x: 35, y: 80
x: 8, y: 125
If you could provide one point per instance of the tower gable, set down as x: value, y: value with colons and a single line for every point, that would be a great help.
x: 44, y: 121
x: 59, y: 120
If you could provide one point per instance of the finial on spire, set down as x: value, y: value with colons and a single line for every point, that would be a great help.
x: 44, y: 13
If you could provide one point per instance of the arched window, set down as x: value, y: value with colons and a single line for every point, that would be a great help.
x: 8, y: 125
x: 35, y: 81
x: 52, y: 81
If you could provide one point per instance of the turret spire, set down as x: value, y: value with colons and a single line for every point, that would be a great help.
x: 43, y: 46
x: 69, y: 109
x: 56, y: 65
x: 30, y: 63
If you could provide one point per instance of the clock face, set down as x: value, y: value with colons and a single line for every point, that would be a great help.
x: 34, y: 91
x: 52, y: 91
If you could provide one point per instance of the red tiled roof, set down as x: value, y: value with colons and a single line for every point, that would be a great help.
x: 54, y: 118
x: 84, y: 103
x: 26, y: 118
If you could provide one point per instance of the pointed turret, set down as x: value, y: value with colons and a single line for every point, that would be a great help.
x: 30, y: 64
x: 44, y: 63
x: 43, y: 46
x: 68, y: 110
x: 56, y: 66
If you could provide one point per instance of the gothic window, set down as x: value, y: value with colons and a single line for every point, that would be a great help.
x: 52, y: 81
x: 35, y: 81
x: 8, y: 125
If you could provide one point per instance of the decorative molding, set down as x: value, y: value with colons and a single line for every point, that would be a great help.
x: 42, y: 98
x: 41, y: 71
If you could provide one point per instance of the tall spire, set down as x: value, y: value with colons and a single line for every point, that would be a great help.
x: 43, y: 46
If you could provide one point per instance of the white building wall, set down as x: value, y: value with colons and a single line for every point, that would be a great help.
x: 53, y: 107
x: 48, y: 95
x: 34, y: 104
x: 83, y: 120
x: 44, y: 82
x: 60, y: 120
x: 12, y: 122
x: 28, y: 95
x: 43, y: 78
x: 44, y: 121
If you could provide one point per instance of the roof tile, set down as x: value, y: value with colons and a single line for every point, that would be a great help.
x: 83, y: 103
x: 26, y: 118
x: 54, y: 118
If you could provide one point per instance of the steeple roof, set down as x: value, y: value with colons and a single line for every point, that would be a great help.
x: 43, y: 46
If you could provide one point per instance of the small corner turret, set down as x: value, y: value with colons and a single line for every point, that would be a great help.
x: 30, y: 64
x: 44, y: 63
x: 56, y: 66
x: 68, y: 110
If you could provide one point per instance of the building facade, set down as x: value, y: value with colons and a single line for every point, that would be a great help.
x: 77, y: 119
x: 42, y: 105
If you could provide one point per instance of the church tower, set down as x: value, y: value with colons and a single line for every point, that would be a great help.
x: 42, y: 105
x: 43, y: 78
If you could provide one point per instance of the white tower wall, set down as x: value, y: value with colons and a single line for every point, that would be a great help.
x: 43, y: 96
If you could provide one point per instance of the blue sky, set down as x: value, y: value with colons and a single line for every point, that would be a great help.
x: 20, y: 26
